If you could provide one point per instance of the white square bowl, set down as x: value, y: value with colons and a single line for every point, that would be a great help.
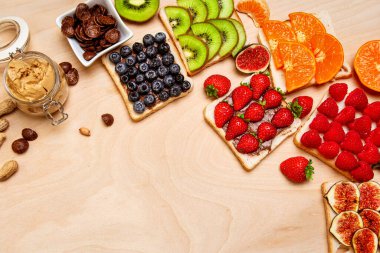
x: 125, y: 32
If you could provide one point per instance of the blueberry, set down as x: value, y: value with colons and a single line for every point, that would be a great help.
x: 157, y: 86
x: 168, y: 59
x: 132, y: 86
x: 150, y: 75
x: 151, y: 51
x: 121, y: 68
x: 143, y: 88
x: 130, y: 60
x: 174, y: 69
x: 175, y: 91
x: 139, y: 107
x: 132, y: 71
x: 155, y: 63
x: 149, y: 100
x: 115, y: 57
x: 160, y: 37
x: 162, y: 71
x: 139, y: 78
x: 144, y: 67
x: 148, y: 40
x: 141, y: 57
x: 185, y: 86
x: 163, y: 96
x: 137, y: 47
x: 169, y: 81
x: 133, y: 96
x: 124, y: 78
x: 179, y: 78
x: 163, y: 48
x: 125, y: 51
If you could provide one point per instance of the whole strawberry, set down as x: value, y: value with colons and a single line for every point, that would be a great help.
x: 329, y: 149
x: 237, y: 126
x: 282, y: 118
x: 259, y: 84
x: 362, y: 173
x: 374, y: 137
x: 247, y: 144
x: 223, y: 113
x: 358, y: 99
x: 266, y: 131
x: 338, y: 91
x: 311, y: 139
x: 254, y: 113
x: 320, y: 123
x: 335, y: 133
x: 301, y: 106
x: 329, y: 108
x: 297, y: 169
x: 373, y: 111
x: 352, y: 142
x: 346, y: 116
x: 217, y: 86
x: 272, y: 99
x: 370, y: 154
x: 346, y: 161
x: 362, y: 125
x: 241, y: 96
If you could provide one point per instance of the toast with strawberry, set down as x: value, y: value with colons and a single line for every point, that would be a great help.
x: 253, y: 119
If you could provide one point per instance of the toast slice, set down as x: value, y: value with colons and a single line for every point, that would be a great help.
x: 248, y: 161
x: 278, y: 75
x: 216, y: 59
x: 123, y: 91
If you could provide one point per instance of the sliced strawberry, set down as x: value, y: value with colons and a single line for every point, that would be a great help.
x: 223, y: 113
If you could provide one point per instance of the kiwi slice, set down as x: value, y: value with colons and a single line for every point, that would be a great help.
x: 197, y: 8
x: 230, y: 36
x: 212, y: 8
x: 195, y: 51
x: 179, y: 19
x: 242, y: 36
x: 137, y: 10
x: 226, y: 8
x: 210, y: 35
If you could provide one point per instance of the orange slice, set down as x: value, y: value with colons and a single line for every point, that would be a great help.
x: 299, y: 64
x: 258, y: 10
x: 329, y: 56
x: 276, y: 31
x: 305, y: 26
x: 367, y: 64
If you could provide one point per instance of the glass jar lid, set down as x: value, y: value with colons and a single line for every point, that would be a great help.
x: 14, y: 36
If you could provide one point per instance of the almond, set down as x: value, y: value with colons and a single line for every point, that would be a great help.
x: 8, y: 169
x: 85, y: 131
x: 4, y: 124
x: 7, y: 106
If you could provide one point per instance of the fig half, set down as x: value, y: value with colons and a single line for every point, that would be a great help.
x: 365, y: 241
x: 371, y: 220
x: 343, y: 196
x: 369, y: 196
x: 344, y: 226
x: 253, y: 59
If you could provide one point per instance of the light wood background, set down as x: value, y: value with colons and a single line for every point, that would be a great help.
x: 166, y: 184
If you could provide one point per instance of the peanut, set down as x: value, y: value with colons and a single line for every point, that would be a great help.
x: 4, y: 124
x: 2, y: 138
x: 85, y: 131
x: 7, y: 106
x: 8, y: 169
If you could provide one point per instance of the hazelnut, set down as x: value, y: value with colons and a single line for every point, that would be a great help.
x: 107, y: 119
x: 66, y: 66
x: 72, y: 77
x: 29, y: 134
x: 20, y: 146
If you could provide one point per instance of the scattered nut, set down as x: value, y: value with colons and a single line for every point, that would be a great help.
x: 72, y: 77
x: 85, y: 131
x: 7, y: 106
x: 66, y: 66
x: 8, y: 169
x: 20, y: 146
x: 2, y: 138
x: 107, y: 119
x: 29, y: 134
x: 4, y: 124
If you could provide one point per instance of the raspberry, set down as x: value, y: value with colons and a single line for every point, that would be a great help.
x: 370, y: 154
x: 346, y: 161
x: 320, y: 123
x: 352, y: 142
x: 362, y: 125
x: 311, y: 139
x: 329, y: 108
x: 346, y: 116
x: 338, y: 91
x: 363, y: 173
x: 335, y: 133
x: 358, y: 99
x: 373, y: 111
x: 329, y: 149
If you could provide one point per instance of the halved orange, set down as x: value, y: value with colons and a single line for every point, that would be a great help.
x: 299, y: 64
x: 305, y: 26
x: 258, y: 10
x: 367, y: 64
x: 329, y: 56
x: 276, y: 31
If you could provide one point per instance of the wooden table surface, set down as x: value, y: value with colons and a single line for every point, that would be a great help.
x: 168, y: 183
